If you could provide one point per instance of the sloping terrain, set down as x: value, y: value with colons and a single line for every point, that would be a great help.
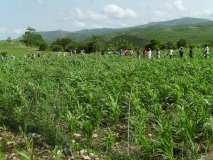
x: 194, y: 30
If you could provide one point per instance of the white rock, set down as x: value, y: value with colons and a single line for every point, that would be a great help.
x: 94, y: 136
x: 86, y: 157
x: 83, y: 151
x: 92, y: 155
x: 76, y: 135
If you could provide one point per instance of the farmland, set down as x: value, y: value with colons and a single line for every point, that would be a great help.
x: 114, y: 107
x: 15, y: 48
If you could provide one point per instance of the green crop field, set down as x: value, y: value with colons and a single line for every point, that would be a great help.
x: 114, y: 107
x: 15, y: 48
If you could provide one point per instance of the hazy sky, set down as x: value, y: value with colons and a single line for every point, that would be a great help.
x: 72, y: 15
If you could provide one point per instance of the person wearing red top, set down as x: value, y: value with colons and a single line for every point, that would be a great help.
x: 145, y: 52
x: 126, y: 52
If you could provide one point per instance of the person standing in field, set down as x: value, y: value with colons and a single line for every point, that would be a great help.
x: 138, y: 52
x: 181, y: 52
x: 126, y: 52
x: 145, y: 52
x: 206, y: 51
x: 149, y: 53
x: 83, y: 52
x: 75, y: 51
x: 191, y: 52
x: 158, y: 53
x: 171, y: 51
x: 131, y: 52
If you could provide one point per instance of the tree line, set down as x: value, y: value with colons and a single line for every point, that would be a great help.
x: 33, y: 39
x: 96, y: 44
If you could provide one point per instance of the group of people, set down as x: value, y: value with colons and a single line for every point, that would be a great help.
x: 149, y: 53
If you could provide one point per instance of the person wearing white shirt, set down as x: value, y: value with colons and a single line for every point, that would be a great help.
x: 171, y: 51
x: 158, y: 53
x: 149, y: 53
x: 206, y: 51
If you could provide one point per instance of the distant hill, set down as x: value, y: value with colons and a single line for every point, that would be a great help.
x: 178, y: 22
x: 194, y: 30
x: 78, y: 35
x: 124, y: 40
x: 53, y: 35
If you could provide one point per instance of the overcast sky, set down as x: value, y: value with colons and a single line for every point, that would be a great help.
x: 72, y: 15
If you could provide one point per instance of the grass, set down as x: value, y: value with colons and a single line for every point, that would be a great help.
x: 15, y: 48
x: 170, y: 103
x: 138, y: 109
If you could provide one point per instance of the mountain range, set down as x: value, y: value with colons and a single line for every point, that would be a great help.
x: 194, y: 30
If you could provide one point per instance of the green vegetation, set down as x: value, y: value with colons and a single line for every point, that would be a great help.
x: 125, y: 41
x: 167, y: 104
x: 181, y: 43
x: 169, y: 34
x: 31, y: 38
x: 89, y: 46
x: 183, y: 32
x: 195, y: 31
x: 15, y: 48
x: 107, y: 106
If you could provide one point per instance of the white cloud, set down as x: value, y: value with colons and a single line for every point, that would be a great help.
x: 204, y: 13
x: 109, y: 16
x: 83, y: 15
x: 110, y: 11
x: 18, y: 31
x: 79, y: 24
x: 78, y: 13
x: 179, y: 5
x: 95, y: 15
x: 114, y: 11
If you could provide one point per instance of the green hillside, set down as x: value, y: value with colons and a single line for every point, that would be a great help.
x: 79, y: 35
x: 15, y: 48
x: 197, y: 34
x: 194, y: 30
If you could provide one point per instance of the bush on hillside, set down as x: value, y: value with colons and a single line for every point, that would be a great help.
x: 43, y: 47
x: 56, y: 48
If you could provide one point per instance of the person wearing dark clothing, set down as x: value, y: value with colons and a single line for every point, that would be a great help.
x: 191, y: 52
x: 181, y: 52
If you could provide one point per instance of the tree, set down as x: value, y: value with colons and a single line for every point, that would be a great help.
x: 31, y: 38
x: 93, y: 44
x: 63, y: 42
x: 3, y: 54
x: 90, y: 47
x: 71, y: 46
x: 9, y: 39
x: 27, y: 37
x: 181, y: 43
x: 124, y: 41
x: 30, y: 29
x: 56, y: 48
x: 154, y: 44
x: 43, y: 47
x: 169, y: 45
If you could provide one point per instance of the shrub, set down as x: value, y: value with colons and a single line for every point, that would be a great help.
x: 4, y: 54
x: 43, y: 47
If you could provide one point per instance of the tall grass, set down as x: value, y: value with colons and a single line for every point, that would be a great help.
x: 171, y: 103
